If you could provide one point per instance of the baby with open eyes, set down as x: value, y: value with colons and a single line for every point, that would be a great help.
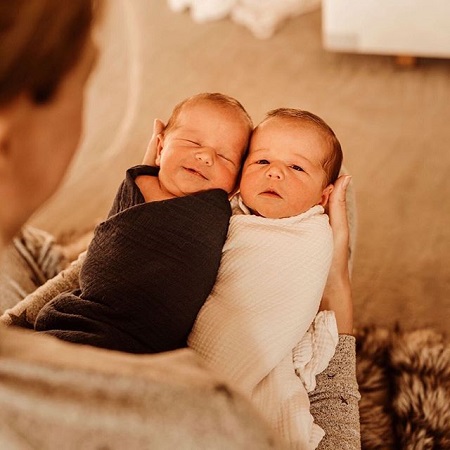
x: 273, y: 270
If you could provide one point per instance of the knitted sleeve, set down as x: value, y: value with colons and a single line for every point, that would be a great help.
x: 24, y: 313
x: 334, y: 402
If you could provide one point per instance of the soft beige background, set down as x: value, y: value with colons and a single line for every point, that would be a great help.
x: 393, y: 124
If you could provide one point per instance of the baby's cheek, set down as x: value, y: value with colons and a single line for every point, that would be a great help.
x: 228, y: 179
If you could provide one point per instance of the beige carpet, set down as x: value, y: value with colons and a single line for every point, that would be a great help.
x: 392, y: 123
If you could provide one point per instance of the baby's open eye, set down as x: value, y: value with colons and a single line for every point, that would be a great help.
x: 298, y: 168
x: 262, y: 161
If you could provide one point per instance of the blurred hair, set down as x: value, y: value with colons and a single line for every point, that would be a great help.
x: 333, y: 162
x: 219, y: 99
x: 40, y: 41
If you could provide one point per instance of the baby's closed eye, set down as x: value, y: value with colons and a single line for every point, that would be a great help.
x: 190, y: 141
x: 220, y: 155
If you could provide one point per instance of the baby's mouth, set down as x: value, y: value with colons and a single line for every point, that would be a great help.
x: 271, y: 193
x: 195, y: 172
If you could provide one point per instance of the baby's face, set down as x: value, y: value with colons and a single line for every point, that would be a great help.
x: 283, y: 174
x: 203, y: 151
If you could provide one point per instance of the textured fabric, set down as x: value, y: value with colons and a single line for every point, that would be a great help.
x: 203, y: 10
x: 334, y: 402
x: 147, y: 272
x: 261, y: 17
x: 55, y: 395
x: 316, y: 348
x: 310, y: 357
x: 30, y: 260
x: 24, y: 313
x: 267, y: 293
x: 404, y: 379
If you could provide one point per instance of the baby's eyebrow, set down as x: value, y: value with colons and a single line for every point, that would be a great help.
x: 304, y: 158
x: 257, y: 150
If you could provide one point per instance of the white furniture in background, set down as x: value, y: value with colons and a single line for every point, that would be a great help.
x: 389, y: 27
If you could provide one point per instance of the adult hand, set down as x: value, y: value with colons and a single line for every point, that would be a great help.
x: 337, y: 295
x: 151, y: 152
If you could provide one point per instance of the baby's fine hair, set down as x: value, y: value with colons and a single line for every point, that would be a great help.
x: 332, y: 164
x: 214, y: 97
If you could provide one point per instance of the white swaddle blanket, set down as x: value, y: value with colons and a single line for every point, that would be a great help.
x: 261, y: 17
x: 267, y: 293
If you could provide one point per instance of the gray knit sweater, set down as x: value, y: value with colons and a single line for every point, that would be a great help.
x: 334, y: 402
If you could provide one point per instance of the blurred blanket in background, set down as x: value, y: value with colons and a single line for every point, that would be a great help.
x: 261, y: 17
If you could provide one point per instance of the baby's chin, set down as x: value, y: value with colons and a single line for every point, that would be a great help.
x: 274, y: 214
x: 271, y: 214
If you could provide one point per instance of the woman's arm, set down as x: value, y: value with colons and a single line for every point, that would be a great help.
x: 25, y: 312
x: 334, y: 402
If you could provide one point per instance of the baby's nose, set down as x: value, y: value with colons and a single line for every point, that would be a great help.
x: 205, y: 156
x: 274, y: 172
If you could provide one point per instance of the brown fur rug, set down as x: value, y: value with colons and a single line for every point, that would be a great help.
x: 404, y: 380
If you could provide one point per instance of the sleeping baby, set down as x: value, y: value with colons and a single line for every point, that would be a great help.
x: 153, y: 262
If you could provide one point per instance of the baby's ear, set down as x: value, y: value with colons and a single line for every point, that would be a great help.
x: 326, y: 195
x: 159, y: 148
x: 152, y: 151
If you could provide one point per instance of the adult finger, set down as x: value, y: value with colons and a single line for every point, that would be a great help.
x: 337, y: 209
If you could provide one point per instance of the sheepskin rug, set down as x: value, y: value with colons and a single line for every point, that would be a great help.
x: 404, y: 379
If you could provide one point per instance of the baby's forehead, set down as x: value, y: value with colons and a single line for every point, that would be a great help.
x: 200, y: 113
x: 203, y: 105
x: 291, y: 128
x: 288, y: 122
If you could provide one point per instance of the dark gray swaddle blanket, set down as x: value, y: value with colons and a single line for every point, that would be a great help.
x: 148, y: 271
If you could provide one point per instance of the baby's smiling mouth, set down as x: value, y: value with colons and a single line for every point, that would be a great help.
x: 195, y: 172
